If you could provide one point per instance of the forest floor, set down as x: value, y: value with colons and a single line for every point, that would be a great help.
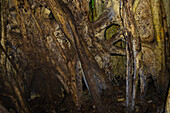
x: 114, y: 102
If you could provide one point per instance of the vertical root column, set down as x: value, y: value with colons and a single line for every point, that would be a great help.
x: 137, y: 59
x: 128, y: 73
x: 75, y: 82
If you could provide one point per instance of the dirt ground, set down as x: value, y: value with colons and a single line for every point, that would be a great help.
x: 113, y: 102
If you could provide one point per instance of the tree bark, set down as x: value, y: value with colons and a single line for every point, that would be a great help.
x: 59, y: 38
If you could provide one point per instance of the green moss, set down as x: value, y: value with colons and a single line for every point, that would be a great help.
x: 96, y: 8
x: 119, y: 63
x: 111, y: 31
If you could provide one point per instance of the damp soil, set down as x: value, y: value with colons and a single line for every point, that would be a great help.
x: 113, y: 101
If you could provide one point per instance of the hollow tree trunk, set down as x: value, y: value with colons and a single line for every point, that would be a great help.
x: 76, y: 30
x: 134, y: 50
x: 57, y: 37
x: 151, y: 44
x: 10, y: 70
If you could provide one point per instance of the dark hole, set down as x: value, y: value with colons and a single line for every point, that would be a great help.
x: 84, y: 85
x: 41, y: 5
x: 12, y: 8
x: 86, y: 12
x: 65, y: 40
x: 25, y: 10
x: 51, y: 16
